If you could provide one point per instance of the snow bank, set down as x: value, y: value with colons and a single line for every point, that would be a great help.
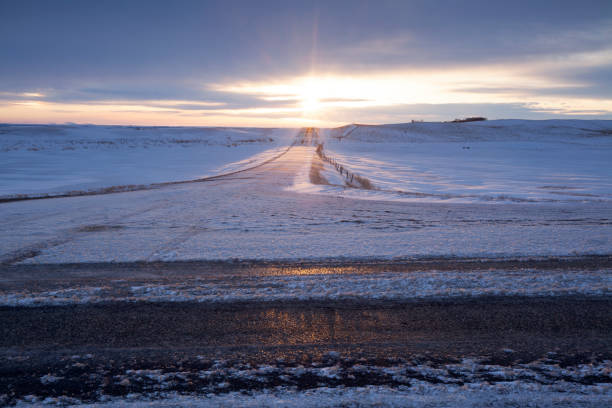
x: 468, y: 383
x: 337, y: 381
x: 420, y: 395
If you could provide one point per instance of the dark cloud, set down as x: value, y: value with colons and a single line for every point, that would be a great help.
x: 54, y: 40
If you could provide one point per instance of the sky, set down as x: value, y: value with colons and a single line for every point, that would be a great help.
x: 298, y: 63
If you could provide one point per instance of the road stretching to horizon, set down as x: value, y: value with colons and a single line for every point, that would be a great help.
x: 255, y: 215
x: 90, y: 287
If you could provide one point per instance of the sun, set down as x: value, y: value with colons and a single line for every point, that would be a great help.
x: 310, y: 104
x: 309, y: 96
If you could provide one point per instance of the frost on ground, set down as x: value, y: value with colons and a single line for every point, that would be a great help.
x: 379, y: 286
x: 39, y: 160
x: 470, y: 382
x: 493, y: 161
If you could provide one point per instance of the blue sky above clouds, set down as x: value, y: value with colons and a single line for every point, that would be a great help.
x: 285, y: 63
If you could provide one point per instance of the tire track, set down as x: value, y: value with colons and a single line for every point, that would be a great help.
x: 33, y: 250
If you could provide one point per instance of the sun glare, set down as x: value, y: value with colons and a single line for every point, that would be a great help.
x: 309, y: 96
x: 319, y: 97
x: 310, y: 103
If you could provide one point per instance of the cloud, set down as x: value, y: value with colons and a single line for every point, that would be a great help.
x: 536, y: 84
x: 302, y: 62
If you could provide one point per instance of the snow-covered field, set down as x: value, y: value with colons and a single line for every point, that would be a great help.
x: 529, y: 202
x: 39, y: 160
x: 489, y: 161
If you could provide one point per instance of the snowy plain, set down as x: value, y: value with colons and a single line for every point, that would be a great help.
x: 488, y: 161
x: 38, y: 160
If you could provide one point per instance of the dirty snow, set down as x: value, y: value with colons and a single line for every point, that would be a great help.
x: 420, y: 395
x: 467, y: 383
x: 387, y: 286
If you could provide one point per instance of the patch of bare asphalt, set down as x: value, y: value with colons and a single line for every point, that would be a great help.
x: 18, y: 275
x: 476, y: 326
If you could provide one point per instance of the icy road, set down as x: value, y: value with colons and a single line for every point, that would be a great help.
x: 264, y: 213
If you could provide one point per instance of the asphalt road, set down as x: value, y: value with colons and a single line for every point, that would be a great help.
x: 478, y: 326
